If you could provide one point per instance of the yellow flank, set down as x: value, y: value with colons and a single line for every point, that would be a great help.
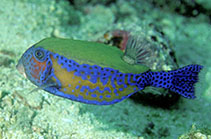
x: 70, y: 82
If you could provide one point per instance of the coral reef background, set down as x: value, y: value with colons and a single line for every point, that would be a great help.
x: 41, y: 115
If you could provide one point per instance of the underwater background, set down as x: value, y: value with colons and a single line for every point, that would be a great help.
x: 26, y: 114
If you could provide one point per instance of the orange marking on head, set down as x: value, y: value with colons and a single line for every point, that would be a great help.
x: 39, y: 68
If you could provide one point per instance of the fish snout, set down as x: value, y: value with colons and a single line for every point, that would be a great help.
x: 20, y: 68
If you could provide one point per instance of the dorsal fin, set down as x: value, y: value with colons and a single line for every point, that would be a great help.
x: 137, y: 50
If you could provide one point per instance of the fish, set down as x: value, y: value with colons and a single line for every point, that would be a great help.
x: 96, y: 73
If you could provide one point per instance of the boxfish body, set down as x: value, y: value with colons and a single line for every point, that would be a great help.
x: 95, y: 73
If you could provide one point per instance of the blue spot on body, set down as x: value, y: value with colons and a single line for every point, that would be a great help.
x: 93, y: 95
x: 91, y: 90
x: 107, y: 89
x: 115, y: 91
x: 83, y: 88
x: 120, y: 89
x: 125, y: 86
x: 83, y: 78
x: 101, y: 91
x: 77, y: 87
x: 108, y: 95
x: 93, y: 79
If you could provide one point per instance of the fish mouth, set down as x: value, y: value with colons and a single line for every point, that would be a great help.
x: 20, y: 68
x: 48, y: 73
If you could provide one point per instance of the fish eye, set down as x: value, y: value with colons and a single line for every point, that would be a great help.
x: 39, y: 54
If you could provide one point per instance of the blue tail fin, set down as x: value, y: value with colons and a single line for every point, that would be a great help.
x: 184, y: 79
x: 180, y: 81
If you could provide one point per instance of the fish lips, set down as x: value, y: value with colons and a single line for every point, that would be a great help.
x: 20, y: 68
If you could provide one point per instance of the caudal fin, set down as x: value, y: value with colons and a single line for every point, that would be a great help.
x: 180, y: 81
x: 184, y: 79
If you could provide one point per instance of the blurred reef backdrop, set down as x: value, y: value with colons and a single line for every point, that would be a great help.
x: 186, y: 23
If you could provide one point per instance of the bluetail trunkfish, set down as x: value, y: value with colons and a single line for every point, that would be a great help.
x: 96, y: 73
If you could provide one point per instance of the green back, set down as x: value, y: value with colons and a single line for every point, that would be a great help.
x: 93, y: 53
